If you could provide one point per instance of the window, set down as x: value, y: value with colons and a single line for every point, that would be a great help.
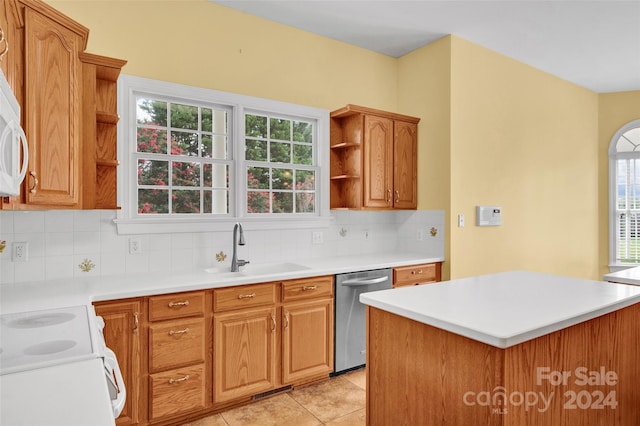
x: 197, y: 159
x: 182, y: 157
x: 624, y: 190
x: 281, y: 172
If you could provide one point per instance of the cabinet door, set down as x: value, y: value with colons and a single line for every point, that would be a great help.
x: 121, y: 332
x: 307, y: 340
x: 378, y: 162
x: 52, y: 86
x: 405, y: 165
x: 244, y: 352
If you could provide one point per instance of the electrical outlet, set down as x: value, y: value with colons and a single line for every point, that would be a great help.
x: 20, y: 251
x: 317, y: 237
x: 460, y: 221
x: 135, y: 246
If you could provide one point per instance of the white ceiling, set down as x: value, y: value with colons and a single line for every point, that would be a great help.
x: 595, y: 44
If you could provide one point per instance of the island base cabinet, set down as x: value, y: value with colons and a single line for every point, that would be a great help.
x: 586, y: 374
x: 177, y: 391
x: 245, y: 347
x: 307, y: 345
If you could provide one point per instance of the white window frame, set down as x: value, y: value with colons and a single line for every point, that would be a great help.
x: 129, y: 222
x: 614, y: 155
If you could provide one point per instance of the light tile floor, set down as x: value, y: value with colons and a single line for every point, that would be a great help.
x: 335, y: 402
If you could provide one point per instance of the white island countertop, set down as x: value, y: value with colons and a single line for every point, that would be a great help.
x: 507, y: 308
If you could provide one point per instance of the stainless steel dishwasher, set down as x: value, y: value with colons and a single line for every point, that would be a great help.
x: 350, y: 320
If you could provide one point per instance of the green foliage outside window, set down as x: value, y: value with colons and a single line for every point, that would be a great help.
x: 278, y: 150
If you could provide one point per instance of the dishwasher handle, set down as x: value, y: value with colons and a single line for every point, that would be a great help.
x: 356, y: 282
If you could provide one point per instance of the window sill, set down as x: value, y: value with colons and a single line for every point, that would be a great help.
x: 175, y: 225
x: 616, y: 267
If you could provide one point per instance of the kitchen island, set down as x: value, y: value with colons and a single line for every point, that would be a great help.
x: 514, y: 348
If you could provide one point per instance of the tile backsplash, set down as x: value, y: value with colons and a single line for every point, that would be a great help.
x: 65, y: 243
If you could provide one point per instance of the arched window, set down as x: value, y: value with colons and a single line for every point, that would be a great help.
x: 624, y: 195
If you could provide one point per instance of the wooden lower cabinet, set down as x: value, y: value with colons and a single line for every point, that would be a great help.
x: 122, y: 335
x: 307, y: 340
x: 244, y: 353
x: 187, y: 355
x: 417, y: 274
x: 178, y: 358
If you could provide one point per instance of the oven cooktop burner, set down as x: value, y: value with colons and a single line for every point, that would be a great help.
x: 37, y: 339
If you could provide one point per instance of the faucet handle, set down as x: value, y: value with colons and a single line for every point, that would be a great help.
x: 242, y: 262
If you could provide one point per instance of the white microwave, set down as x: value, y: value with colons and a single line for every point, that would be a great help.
x: 13, y: 142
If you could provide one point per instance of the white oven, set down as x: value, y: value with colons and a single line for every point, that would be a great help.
x: 42, y: 341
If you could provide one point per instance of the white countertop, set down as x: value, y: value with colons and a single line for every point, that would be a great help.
x: 627, y: 276
x: 507, y: 308
x: 73, y: 394
x: 18, y: 297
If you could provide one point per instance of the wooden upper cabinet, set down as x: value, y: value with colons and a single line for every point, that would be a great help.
x: 68, y: 109
x: 373, y: 159
x: 378, y: 161
x: 51, y: 109
x: 405, y: 165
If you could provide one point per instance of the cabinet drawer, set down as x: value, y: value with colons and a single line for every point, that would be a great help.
x: 225, y: 299
x: 176, y: 391
x: 176, y: 305
x: 307, y: 288
x: 416, y: 274
x: 176, y: 343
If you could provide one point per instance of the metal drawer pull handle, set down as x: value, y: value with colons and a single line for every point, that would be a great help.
x: 388, y: 195
x: 173, y: 332
x: 246, y: 296
x: 273, y: 319
x: 136, y: 322
x: 286, y: 318
x: 177, y: 304
x: 309, y: 287
x: 35, y: 182
x: 417, y: 272
x: 182, y: 379
x: 397, y: 196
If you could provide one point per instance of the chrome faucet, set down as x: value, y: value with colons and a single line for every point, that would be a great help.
x: 235, y: 262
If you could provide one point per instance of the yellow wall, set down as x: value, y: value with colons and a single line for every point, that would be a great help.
x: 203, y: 44
x: 527, y: 141
x: 424, y: 77
x: 615, y: 110
x: 493, y: 130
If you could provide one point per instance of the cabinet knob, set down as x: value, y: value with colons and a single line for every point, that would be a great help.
x: 419, y: 272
